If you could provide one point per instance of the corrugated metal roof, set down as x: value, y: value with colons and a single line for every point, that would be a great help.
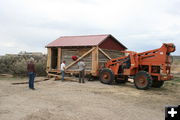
x: 87, y: 40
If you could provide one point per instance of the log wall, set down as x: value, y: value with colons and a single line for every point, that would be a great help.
x: 67, y: 54
x: 113, y: 53
x: 94, y: 60
x: 102, y: 60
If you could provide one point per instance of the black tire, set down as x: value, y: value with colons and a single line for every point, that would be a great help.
x: 106, y: 76
x: 121, y: 79
x: 157, y: 84
x: 143, y: 80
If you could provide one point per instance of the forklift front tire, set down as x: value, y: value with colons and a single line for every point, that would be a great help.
x: 106, y: 76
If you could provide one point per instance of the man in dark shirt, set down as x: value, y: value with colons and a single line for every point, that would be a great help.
x: 31, y: 73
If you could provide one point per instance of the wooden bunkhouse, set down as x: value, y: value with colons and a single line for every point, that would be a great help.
x: 95, y: 50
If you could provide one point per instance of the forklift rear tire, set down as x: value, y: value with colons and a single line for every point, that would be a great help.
x: 143, y: 80
x: 106, y: 76
x: 121, y: 79
x: 157, y: 84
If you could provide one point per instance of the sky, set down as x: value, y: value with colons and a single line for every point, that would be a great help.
x: 141, y: 25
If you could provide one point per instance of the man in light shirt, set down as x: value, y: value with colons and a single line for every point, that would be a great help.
x: 81, y: 66
x: 63, y: 65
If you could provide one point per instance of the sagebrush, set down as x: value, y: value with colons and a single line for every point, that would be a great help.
x: 17, y: 64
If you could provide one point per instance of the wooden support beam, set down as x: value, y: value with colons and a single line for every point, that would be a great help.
x: 59, y: 59
x: 104, y: 53
x: 80, y: 58
x: 95, y: 61
x: 77, y: 71
x: 49, y: 59
x: 25, y: 82
x: 54, y: 75
x: 97, y: 52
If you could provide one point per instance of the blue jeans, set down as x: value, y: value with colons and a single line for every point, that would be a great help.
x: 63, y: 74
x: 31, y: 79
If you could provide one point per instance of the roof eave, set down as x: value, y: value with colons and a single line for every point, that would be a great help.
x: 71, y: 46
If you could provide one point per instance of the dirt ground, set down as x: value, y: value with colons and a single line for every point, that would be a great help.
x: 56, y: 100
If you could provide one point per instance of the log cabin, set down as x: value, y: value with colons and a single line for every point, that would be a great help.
x: 95, y: 50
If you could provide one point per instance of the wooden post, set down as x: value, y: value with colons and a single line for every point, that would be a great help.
x: 49, y: 54
x: 95, y: 61
x: 59, y: 59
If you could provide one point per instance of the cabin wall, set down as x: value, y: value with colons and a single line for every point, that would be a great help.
x: 111, y: 53
x: 67, y: 54
x: 102, y: 60
x: 94, y: 60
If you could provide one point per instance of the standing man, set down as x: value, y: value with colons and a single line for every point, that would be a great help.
x: 63, y: 65
x: 31, y: 73
x: 81, y: 66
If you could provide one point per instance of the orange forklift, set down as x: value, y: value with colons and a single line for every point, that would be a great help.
x: 148, y: 69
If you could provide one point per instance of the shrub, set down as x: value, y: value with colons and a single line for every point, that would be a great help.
x: 17, y: 64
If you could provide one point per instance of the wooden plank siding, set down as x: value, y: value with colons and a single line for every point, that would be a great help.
x: 93, y: 57
x: 88, y: 62
x: 102, y: 60
x: 67, y: 54
x: 113, y: 53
